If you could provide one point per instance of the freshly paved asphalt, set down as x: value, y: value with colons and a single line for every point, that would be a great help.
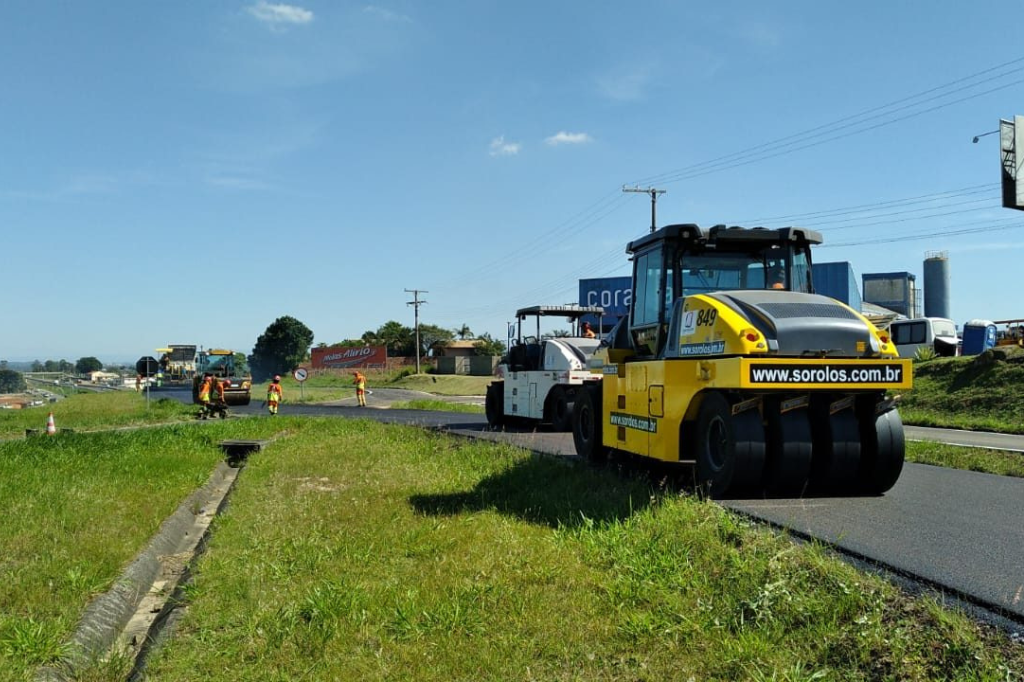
x: 960, y: 530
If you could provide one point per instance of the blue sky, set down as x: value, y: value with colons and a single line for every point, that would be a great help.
x: 187, y: 172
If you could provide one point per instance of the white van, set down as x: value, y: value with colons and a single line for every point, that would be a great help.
x: 937, y: 333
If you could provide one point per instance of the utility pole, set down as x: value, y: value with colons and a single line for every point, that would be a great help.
x: 654, y: 200
x: 416, y: 303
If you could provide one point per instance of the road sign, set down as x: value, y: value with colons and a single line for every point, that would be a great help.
x: 147, y: 366
x: 299, y: 374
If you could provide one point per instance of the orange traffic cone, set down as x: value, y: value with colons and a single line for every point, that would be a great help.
x: 51, y: 428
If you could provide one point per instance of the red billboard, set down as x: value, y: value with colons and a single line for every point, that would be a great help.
x: 340, y: 357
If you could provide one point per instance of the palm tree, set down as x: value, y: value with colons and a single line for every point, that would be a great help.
x: 464, y: 332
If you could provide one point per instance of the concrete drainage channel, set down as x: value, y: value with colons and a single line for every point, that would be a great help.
x: 128, y: 619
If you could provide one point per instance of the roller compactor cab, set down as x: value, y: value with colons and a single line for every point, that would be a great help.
x: 728, y: 361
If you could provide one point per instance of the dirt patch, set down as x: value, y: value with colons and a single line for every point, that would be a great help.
x: 320, y: 485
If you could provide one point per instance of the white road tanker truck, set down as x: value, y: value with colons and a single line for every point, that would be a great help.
x: 539, y: 378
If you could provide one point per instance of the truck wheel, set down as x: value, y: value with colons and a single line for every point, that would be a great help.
x: 587, y: 423
x: 559, y: 409
x: 836, y: 449
x: 494, y: 404
x: 882, y: 451
x: 788, y: 459
x: 729, y: 448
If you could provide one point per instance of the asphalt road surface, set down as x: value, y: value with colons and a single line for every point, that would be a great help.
x: 960, y: 530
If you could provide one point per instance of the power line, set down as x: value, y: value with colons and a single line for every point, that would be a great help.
x: 932, y: 233
x: 726, y: 161
x: 597, y: 211
x: 845, y: 210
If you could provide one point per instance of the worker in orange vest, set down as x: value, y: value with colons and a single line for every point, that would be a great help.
x: 274, y: 394
x: 204, y: 396
x: 360, y: 381
x: 219, y: 387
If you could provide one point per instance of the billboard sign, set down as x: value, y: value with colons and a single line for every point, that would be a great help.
x: 1011, y: 156
x: 614, y: 294
x: 340, y: 357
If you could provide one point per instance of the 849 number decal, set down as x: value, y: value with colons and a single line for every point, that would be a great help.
x: 706, y: 317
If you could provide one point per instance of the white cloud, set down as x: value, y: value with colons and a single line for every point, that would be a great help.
x: 562, y: 137
x: 280, y: 15
x: 386, y: 14
x: 501, y: 148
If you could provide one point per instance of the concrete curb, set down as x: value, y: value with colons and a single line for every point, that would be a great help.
x: 107, y: 616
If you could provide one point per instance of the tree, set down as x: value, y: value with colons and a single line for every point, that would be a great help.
x: 433, y: 337
x: 37, y: 366
x: 485, y: 345
x: 395, y: 336
x: 51, y: 366
x: 464, y: 332
x: 11, y: 381
x: 561, y: 333
x: 280, y: 349
x: 88, y: 364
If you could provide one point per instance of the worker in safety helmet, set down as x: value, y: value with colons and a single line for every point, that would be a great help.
x: 360, y: 381
x: 274, y: 394
x: 587, y: 332
x: 218, y: 387
x: 204, y: 395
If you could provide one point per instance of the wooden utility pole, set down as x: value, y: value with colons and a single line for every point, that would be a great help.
x: 654, y: 200
x: 416, y: 303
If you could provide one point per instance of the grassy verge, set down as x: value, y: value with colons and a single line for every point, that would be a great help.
x: 438, y: 405
x: 357, y: 550
x: 981, y: 393
x: 95, y: 410
x: 972, y: 459
x: 444, y: 384
x: 77, y: 509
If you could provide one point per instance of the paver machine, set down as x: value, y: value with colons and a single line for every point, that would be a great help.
x: 225, y: 366
x: 538, y: 379
x: 729, y: 362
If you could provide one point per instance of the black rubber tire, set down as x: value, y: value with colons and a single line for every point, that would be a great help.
x: 587, y: 425
x: 494, y: 404
x: 883, y: 449
x: 788, y: 457
x: 836, y: 455
x: 559, y: 409
x: 730, y: 449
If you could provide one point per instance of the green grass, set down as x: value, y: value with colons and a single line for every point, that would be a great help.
x: 438, y: 405
x: 95, y: 410
x: 973, y: 459
x: 77, y: 509
x: 983, y: 393
x: 361, y: 551
x: 444, y: 384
